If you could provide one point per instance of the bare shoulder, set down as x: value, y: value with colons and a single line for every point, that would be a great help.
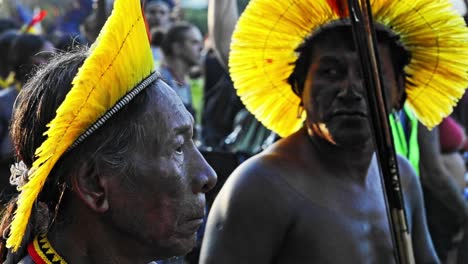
x: 261, y: 172
x: 250, y: 215
x: 275, y: 162
x: 283, y: 168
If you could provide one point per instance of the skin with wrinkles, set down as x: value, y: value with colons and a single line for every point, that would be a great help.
x: 156, y: 212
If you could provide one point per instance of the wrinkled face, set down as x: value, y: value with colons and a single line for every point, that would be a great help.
x: 163, y: 205
x: 334, y: 92
x: 158, y: 14
x: 192, y: 46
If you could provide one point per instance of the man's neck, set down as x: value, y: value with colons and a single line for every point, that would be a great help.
x: 178, y: 68
x: 89, y: 241
x: 348, y: 162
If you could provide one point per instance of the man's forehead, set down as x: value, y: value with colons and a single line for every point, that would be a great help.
x: 340, y: 40
x: 158, y: 5
x: 170, y: 106
x: 338, y: 47
x: 332, y: 51
x: 338, y: 35
x: 194, y: 33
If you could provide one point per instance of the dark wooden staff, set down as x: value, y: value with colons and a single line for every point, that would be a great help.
x: 365, y: 42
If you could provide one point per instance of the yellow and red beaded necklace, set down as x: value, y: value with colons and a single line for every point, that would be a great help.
x: 42, y: 252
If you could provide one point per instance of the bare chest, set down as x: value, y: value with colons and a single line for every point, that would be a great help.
x: 337, y: 222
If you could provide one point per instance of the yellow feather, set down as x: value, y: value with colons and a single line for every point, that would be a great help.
x: 119, y: 60
x: 263, y: 55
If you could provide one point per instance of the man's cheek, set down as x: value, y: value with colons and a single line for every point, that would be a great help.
x: 163, y: 217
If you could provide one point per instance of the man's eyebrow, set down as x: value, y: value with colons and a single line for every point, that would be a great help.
x: 185, y: 128
x: 329, y: 58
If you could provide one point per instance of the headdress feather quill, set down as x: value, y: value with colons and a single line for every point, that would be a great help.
x: 263, y: 54
x: 119, y: 60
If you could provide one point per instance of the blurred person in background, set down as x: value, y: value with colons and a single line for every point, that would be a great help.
x: 227, y: 125
x: 220, y: 101
x: 158, y: 15
x: 182, y: 46
x: 26, y: 53
x: 7, y: 24
x: 8, y: 32
x: 230, y: 134
x: 75, y: 15
x: 7, y: 76
x: 90, y: 27
x: 448, y: 219
x: 435, y: 158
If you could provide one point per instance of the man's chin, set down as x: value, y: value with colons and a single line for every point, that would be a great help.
x: 182, y: 246
x: 351, y: 135
x: 174, y: 247
x: 186, y: 245
x: 357, y: 143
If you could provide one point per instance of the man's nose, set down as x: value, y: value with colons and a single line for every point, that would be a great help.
x: 352, y: 91
x: 204, y: 177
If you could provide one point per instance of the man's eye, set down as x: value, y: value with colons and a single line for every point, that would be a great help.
x: 330, y: 72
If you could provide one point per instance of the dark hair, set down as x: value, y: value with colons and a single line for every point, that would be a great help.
x: 104, y: 151
x: 66, y: 42
x: 176, y: 34
x: 7, y: 24
x: 157, y: 37
x: 23, y: 48
x: 400, y: 56
x: 6, y: 39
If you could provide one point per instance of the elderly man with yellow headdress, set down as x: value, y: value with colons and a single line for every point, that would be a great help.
x: 316, y: 195
x: 107, y: 171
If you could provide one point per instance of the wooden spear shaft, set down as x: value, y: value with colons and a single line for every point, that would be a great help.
x: 364, y: 36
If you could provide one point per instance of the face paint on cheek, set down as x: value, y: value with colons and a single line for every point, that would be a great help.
x: 320, y: 130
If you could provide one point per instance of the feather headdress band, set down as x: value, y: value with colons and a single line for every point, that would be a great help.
x: 263, y: 54
x: 119, y: 66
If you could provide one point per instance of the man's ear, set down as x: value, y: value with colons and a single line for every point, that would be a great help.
x: 92, y: 188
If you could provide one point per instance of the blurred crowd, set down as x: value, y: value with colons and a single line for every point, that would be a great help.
x: 195, y: 66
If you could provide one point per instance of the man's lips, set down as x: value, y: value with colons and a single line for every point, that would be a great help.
x: 191, y: 226
x: 350, y: 113
x: 196, y: 219
x: 195, y: 222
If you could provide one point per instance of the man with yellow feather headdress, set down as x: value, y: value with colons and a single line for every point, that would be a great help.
x: 107, y: 171
x: 316, y: 195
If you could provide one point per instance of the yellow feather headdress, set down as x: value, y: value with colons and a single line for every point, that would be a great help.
x: 119, y: 66
x: 265, y: 39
